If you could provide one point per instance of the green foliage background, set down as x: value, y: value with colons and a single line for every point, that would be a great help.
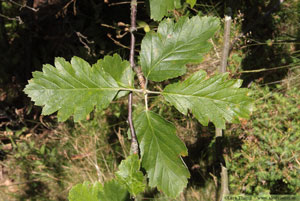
x: 268, y: 159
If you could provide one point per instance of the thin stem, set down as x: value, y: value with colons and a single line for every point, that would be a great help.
x: 121, y: 3
x: 152, y: 92
x: 145, y: 91
x: 219, y: 134
x: 225, y: 52
x: 146, y: 94
x: 22, y: 5
x: 146, y: 101
x: 134, y: 142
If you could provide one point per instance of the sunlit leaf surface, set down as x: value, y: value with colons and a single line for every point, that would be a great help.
x: 75, y: 88
x: 164, y: 54
x: 161, y: 150
x: 215, y: 99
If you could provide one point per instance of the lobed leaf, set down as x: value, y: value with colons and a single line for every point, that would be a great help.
x: 191, y: 2
x: 160, y: 8
x: 85, y: 191
x: 164, y: 54
x: 119, y: 69
x: 111, y: 191
x: 75, y: 88
x: 215, y: 99
x: 130, y: 175
x: 161, y: 150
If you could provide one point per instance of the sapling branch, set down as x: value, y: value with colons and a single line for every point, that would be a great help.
x: 132, y: 44
x: 134, y: 142
x: 219, y: 134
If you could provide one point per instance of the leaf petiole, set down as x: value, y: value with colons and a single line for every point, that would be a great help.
x: 140, y: 91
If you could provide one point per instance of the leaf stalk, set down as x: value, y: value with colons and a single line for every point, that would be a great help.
x: 144, y: 91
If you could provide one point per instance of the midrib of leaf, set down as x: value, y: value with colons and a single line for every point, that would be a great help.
x: 201, y: 89
x: 79, y: 89
x: 213, y: 101
x: 166, y: 145
x: 203, y: 97
x: 151, y: 69
x: 76, y: 88
x: 173, y: 51
x: 200, y: 97
x: 149, y: 123
x: 168, y: 54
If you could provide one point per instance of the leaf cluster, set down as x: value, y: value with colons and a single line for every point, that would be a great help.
x: 128, y: 179
x: 75, y: 88
x: 159, y: 8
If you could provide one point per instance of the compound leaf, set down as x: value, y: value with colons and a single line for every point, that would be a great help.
x: 164, y: 54
x: 75, y: 88
x: 130, y: 175
x: 161, y: 150
x: 160, y: 8
x: 215, y: 99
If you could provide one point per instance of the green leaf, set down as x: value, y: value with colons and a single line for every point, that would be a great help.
x: 164, y: 54
x: 85, y: 192
x: 120, y: 70
x: 130, y: 175
x: 144, y: 25
x: 215, y: 99
x: 160, y: 8
x: 112, y: 191
x: 161, y: 150
x: 75, y: 88
x: 191, y: 2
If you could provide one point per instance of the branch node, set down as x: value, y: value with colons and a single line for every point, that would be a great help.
x: 132, y: 30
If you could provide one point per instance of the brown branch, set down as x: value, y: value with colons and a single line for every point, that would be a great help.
x: 219, y: 134
x: 117, y: 42
x: 22, y: 6
x: 224, y: 183
x: 226, y: 45
x: 134, y: 142
x: 124, y: 2
x: 84, y: 41
x: 65, y: 8
x: 17, y: 18
x: 132, y: 30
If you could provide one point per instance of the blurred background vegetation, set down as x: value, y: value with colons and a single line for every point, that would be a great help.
x: 41, y: 159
